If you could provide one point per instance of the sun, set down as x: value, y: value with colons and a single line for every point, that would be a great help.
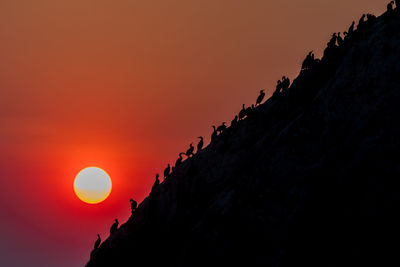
x: 92, y: 185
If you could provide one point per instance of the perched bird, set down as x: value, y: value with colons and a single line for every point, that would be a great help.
x: 200, y: 144
x: 214, y: 134
x: 190, y: 150
x: 234, y: 122
x: 97, y: 243
x: 114, y: 227
x: 390, y: 6
x: 242, y: 113
x: 156, y: 183
x: 179, y: 160
x: 167, y: 171
x: 221, y: 128
x: 133, y: 204
x: 250, y: 111
x: 260, y: 97
x: 339, y: 40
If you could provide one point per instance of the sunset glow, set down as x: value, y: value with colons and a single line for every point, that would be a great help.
x: 92, y: 185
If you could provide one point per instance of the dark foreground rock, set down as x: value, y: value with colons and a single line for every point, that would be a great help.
x: 310, y: 178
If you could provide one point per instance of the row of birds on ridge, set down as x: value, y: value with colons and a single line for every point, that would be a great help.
x: 216, y: 131
x: 189, y: 153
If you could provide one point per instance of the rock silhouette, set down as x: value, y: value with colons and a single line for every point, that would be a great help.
x: 311, y: 179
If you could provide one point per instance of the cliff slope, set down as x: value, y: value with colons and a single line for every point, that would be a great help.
x: 310, y: 178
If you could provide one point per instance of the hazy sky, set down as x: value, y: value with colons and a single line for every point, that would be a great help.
x: 126, y: 85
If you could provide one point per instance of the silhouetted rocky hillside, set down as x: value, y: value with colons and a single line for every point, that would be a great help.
x: 310, y: 178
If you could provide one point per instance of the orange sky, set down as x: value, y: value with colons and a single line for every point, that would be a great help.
x: 126, y: 85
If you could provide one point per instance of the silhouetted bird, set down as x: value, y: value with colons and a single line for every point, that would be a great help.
x: 114, y: 227
x: 332, y: 42
x: 179, y: 160
x: 200, y: 144
x: 350, y: 31
x: 260, y: 97
x: 133, y: 205
x: 221, y: 128
x: 285, y: 83
x: 339, y: 40
x: 156, y: 183
x: 278, y: 88
x: 214, y: 134
x: 308, y: 61
x: 390, y: 6
x: 361, y: 22
x: 234, y: 122
x: 190, y: 150
x: 97, y: 243
x: 242, y: 113
x: 167, y: 171
x: 250, y: 111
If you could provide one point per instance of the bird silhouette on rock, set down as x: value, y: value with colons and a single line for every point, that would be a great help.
x: 97, y: 243
x: 167, y: 171
x: 190, y: 150
x: 260, y: 98
x: 114, y: 227
x: 200, y: 144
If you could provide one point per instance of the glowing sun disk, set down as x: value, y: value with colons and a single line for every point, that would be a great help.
x: 92, y: 185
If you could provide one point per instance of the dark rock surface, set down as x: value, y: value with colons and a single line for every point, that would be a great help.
x: 310, y: 178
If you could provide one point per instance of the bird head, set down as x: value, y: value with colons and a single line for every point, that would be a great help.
x: 98, y: 235
x: 261, y: 91
x: 223, y: 123
x: 116, y: 220
x: 131, y: 200
x: 157, y: 175
x: 201, y: 137
x: 213, y: 127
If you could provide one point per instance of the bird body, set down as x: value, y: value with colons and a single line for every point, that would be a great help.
x: 221, y: 128
x: 156, y: 182
x: 133, y: 205
x: 114, y: 227
x: 234, y: 122
x: 200, y: 144
x: 190, y: 150
x: 214, y: 134
x: 242, y: 113
x: 167, y: 171
x: 260, y: 97
x: 339, y: 39
x: 97, y: 243
x: 179, y: 160
x: 390, y: 6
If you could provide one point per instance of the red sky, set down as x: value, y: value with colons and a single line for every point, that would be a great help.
x: 126, y: 85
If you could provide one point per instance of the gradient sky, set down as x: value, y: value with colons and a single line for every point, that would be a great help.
x: 126, y: 85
